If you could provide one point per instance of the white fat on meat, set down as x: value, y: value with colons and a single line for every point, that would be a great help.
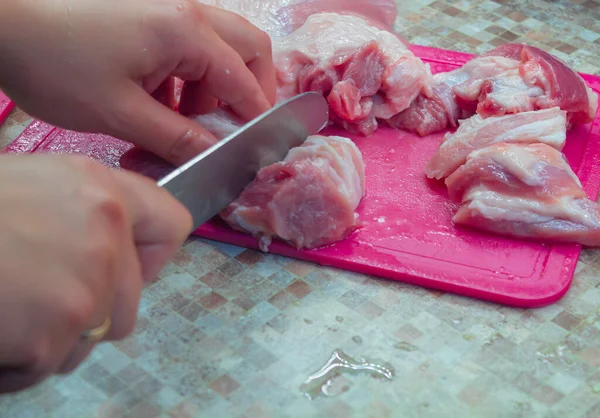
x: 545, y: 126
x: 281, y: 17
x: 524, y: 190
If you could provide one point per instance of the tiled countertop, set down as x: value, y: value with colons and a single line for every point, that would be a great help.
x: 233, y: 333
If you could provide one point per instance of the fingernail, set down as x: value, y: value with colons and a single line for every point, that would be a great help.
x: 189, y: 146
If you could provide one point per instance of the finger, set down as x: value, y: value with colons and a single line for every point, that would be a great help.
x: 165, y: 93
x: 124, y: 302
x: 143, y: 121
x: 195, y: 100
x: 76, y: 357
x: 222, y: 71
x: 160, y: 223
x: 252, y: 44
x: 13, y: 379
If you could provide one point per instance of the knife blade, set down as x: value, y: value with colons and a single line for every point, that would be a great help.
x: 208, y: 183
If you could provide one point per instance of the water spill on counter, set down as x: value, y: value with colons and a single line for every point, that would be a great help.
x: 328, y: 380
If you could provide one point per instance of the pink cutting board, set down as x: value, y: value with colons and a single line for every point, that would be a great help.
x: 6, y: 106
x: 407, y: 233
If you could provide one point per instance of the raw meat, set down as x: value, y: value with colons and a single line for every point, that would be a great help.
x: 367, y: 73
x: 282, y: 17
x: 308, y: 200
x: 427, y: 115
x: 509, y: 79
x: 525, y: 191
x: 541, y: 81
x: 546, y: 126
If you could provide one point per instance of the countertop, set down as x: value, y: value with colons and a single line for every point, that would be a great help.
x: 231, y: 332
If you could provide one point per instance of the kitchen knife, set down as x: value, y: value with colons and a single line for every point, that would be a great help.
x: 208, y: 183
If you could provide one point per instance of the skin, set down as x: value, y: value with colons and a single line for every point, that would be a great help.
x: 77, y: 240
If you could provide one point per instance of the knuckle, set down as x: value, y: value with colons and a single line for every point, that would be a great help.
x: 109, y: 208
x: 264, y: 42
x: 76, y: 308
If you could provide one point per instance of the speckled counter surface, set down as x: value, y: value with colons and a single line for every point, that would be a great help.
x: 231, y: 332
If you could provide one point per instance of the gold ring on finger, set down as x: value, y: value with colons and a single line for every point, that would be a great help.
x: 96, y: 334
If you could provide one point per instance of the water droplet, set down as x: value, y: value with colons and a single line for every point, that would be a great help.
x: 180, y: 7
x: 339, y: 318
x: 227, y: 71
x: 381, y: 219
x: 320, y: 383
x: 403, y: 345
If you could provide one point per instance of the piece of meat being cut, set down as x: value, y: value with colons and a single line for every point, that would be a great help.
x: 366, y: 72
x: 524, y: 191
x: 545, y: 126
x: 307, y: 200
x: 541, y: 81
x: 281, y: 17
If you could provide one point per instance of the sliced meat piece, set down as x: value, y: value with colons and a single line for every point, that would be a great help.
x: 307, y: 200
x: 365, y: 72
x: 427, y: 115
x: 441, y: 109
x: 524, y: 191
x: 504, y: 94
x: 282, y: 17
x: 544, y: 126
x: 541, y: 82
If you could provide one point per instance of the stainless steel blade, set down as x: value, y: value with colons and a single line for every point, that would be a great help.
x: 210, y: 182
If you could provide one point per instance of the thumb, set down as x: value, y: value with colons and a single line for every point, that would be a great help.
x: 160, y: 223
x: 141, y: 120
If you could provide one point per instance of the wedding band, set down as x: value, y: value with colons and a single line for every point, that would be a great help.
x: 96, y: 334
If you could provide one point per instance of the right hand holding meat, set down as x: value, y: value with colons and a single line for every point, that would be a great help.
x: 77, y: 242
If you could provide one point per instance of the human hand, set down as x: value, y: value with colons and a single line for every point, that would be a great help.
x: 77, y: 242
x: 91, y: 65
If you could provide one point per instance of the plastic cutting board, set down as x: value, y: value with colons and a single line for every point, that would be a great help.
x: 407, y: 233
x: 6, y: 106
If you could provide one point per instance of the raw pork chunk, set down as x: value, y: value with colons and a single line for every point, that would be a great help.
x: 441, y: 110
x: 524, y: 191
x: 545, y: 126
x: 308, y: 200
x: 366, y: 72
x: 282, y: 17
x: 541, y: 81
x: 509, y: 79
